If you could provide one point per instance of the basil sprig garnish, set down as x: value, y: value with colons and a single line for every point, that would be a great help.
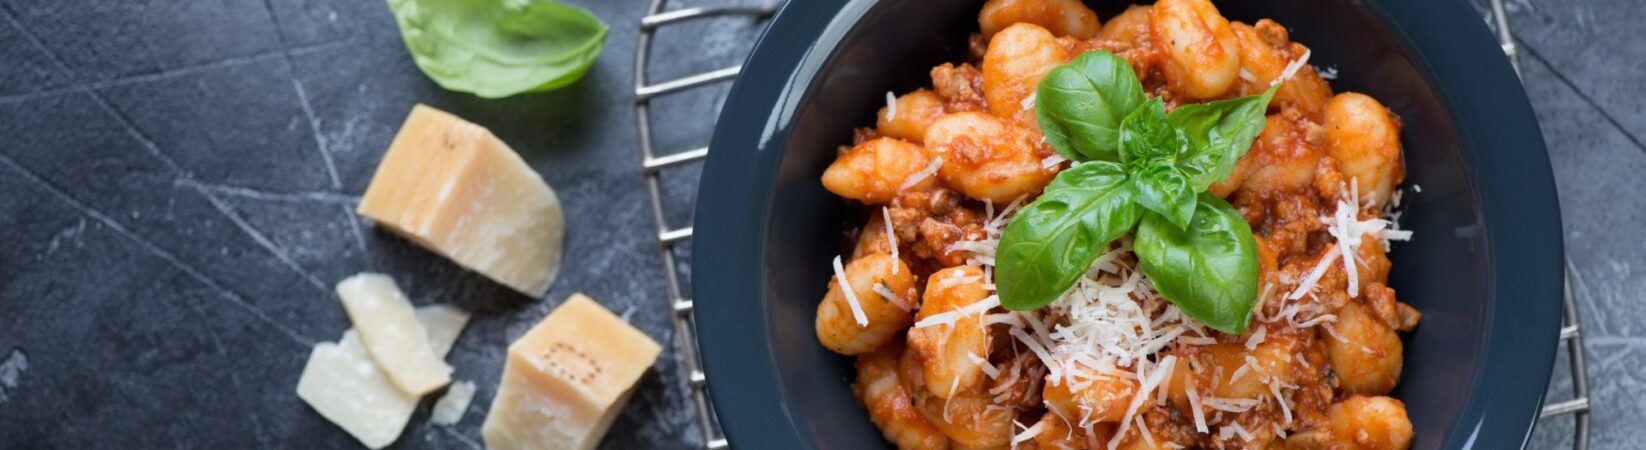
x: 1137, y: 167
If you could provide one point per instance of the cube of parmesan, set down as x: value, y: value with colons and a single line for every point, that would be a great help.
x: 567, y: 379
x: 453, y: 187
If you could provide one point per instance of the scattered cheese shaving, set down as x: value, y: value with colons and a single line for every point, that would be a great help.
x: 1244, y: 435
x: 1257, y: 338
x: 891, y: 238
x: 1291, y: 68
x: 1052, y: 161
x: 1142, y: 395
x: 1285, y: 410
x: 851, y: 297
x: 927, y: 172
x: 1194, y: 408
x: 988, y: 369
x: 1319, y: 270
x: 886, y: 293
x: 1028, y: 102
x: 1144, y: 430
x: 1233, y: 405
x: 891, y: 106
x: 952, y: 316
x: 1245, y: 75
x: 1028, y: 432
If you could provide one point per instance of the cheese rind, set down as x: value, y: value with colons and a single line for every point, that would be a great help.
x: 567, y: 379
x: 342, y: 383
x: 392, y: 335
x: 453, y: 187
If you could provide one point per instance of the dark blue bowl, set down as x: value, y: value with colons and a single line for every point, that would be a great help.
x: 1485, y: 266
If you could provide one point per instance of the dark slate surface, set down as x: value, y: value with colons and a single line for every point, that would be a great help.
x: 177, y: 181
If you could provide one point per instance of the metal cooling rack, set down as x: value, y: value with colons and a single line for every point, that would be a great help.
x: 669, y: 237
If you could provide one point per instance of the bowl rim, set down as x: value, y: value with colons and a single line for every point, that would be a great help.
x: 1456, y: 52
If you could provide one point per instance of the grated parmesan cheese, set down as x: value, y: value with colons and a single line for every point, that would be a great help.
x: 1257, y: 338
x: 886, y: 293
x: 891, y: 238
x: 1329, y: 73
x: 1028, y: 102
x: 1194, y: 408
x: 1233, y: 405
x: 1142, y: 395
x: 1291, y: 68
x: 1245, y: 75
x: 1285, y: 410
x: 851, y: 297
x: 988, y: 369
x: 1319, y: 270
x: 950, y: 317
x: 891, y: 106
x: 1052, y: 161
x: 922, y: 174
x: 1028, y: 432
x: 1144, y: 430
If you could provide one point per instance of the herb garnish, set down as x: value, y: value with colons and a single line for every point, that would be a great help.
x: 1136, y: 166
x: 498, y: 48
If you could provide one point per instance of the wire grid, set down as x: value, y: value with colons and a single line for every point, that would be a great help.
x: 685, y: 337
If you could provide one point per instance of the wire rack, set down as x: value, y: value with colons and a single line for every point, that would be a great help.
x: 670, y: 237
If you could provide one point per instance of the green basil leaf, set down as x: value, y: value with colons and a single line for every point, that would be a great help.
x: 1218, y: 134
x: 1146, y: 136
x: 1080, y: 105
x: 1208, y: 270
x: 1053, y: 240
x: 1164, y: 190
x: 498, y: 48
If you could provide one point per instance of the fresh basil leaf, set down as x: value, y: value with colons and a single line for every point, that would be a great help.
x: 1218, y: 134
x: 1053, y: 240
x: 1145, y: 136
x: 1149, y: 147
x: 498, y: 48
x: 1208, y: 270
x: 1164, y: 190
x: 1080, y: 105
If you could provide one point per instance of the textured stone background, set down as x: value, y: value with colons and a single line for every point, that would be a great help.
x: 177, y: 180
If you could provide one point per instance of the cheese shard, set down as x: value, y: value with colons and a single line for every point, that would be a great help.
x: 453, y: 187
x: 567, y: 379
x: 343, y: 384
x: 443, y: 324
x: 450, y: 408
x: 388, y: 327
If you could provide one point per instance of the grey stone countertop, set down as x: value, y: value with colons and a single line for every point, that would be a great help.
x: 177, y: 181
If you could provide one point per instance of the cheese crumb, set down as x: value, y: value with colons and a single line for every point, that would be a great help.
x: 450, y: 408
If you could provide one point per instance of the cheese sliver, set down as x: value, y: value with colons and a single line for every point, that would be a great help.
x: 453, y: 187
x: 443, y: 323
x: 450, y: 408
x: 342, y: 383
x: 393, y: 337
x: 567, y: 379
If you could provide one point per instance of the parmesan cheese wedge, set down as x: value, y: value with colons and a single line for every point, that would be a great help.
x: 567, y: 379
x: 344, y: 386
x: 453, y: 187
x: 389, y: 329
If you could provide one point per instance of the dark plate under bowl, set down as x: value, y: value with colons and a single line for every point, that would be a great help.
x: 1484, y: 267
